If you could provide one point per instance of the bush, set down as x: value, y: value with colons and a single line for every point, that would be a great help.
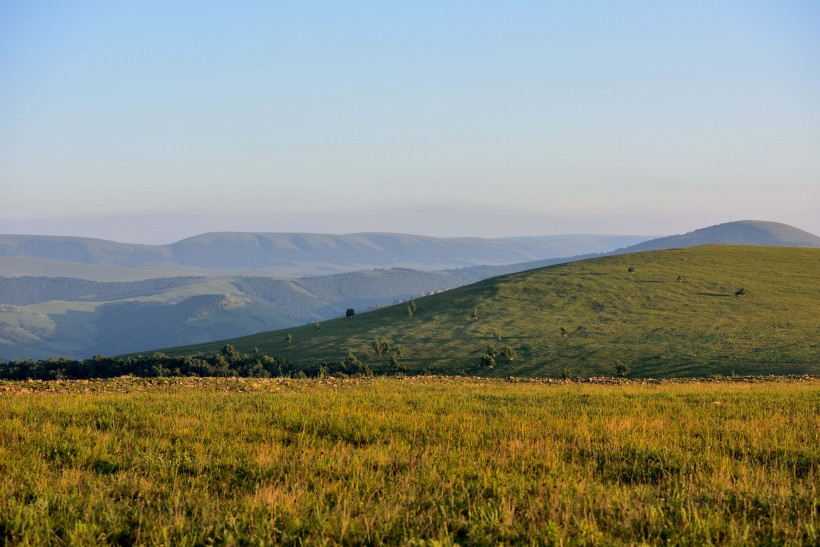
x: 508, y: 353
x: 621, y: 368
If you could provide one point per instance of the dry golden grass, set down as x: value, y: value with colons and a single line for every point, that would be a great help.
x: 392, y: 461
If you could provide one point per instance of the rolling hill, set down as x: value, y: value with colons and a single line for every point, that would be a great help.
x: 42, y: 316
x: 674, y: 314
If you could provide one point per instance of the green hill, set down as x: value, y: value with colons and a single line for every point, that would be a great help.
x: 674, y: 314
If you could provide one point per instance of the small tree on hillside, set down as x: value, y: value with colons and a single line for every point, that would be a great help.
x: 740, y: 293
x: 621, y: 368
x: 491, y: 351
x: 289, y: 338
x: 508, y: 353
x: 350, y: 313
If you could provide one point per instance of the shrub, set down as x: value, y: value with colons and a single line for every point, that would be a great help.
x: 491, y: 351
x: 621, y: 368
x: 508, y: 353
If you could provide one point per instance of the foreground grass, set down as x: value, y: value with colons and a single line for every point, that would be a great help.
x: 468, y: 461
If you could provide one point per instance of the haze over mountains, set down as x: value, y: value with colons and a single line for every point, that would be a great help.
x: 281, y: 255
x: 61, y: 310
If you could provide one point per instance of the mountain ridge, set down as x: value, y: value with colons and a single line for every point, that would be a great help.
x: 282, y: 254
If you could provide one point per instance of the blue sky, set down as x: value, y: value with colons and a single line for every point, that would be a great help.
x: 152, y: 121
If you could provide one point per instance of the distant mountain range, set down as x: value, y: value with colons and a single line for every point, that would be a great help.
x: 62, y: 311
x: 280, y: 255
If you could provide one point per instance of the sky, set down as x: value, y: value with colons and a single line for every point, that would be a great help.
x: 151, y: 121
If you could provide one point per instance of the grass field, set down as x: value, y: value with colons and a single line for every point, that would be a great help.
x: 406, y: 461
x: 675, y: 314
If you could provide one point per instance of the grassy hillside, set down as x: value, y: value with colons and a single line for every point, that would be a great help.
x: 675, y: 314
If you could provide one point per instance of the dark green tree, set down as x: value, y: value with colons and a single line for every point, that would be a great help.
x: 508, y: 353
x: 350, y: 313
x: 229, y: 353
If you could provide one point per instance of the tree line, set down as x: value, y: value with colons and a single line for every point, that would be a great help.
x: 227, y: 362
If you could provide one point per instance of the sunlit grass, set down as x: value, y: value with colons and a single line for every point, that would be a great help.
x: 194, y: 461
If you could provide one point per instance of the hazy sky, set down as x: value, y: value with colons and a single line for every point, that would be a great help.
x: 150, y: 121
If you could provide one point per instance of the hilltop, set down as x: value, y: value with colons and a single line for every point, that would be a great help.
x: 674, y: 314
x: 742, y: 232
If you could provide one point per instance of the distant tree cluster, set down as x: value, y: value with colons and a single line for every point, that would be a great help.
x: 227, y: 362
x: 349, y: 366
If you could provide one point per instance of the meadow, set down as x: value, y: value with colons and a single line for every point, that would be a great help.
x: 415, y: 461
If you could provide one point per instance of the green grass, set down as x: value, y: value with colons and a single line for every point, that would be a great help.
x: 396, y: 461
x: 675, y: 315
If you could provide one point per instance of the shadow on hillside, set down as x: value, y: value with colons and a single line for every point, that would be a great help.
x: 713, y: 294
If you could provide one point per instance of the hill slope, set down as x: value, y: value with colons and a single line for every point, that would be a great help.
x: 676, y: 314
